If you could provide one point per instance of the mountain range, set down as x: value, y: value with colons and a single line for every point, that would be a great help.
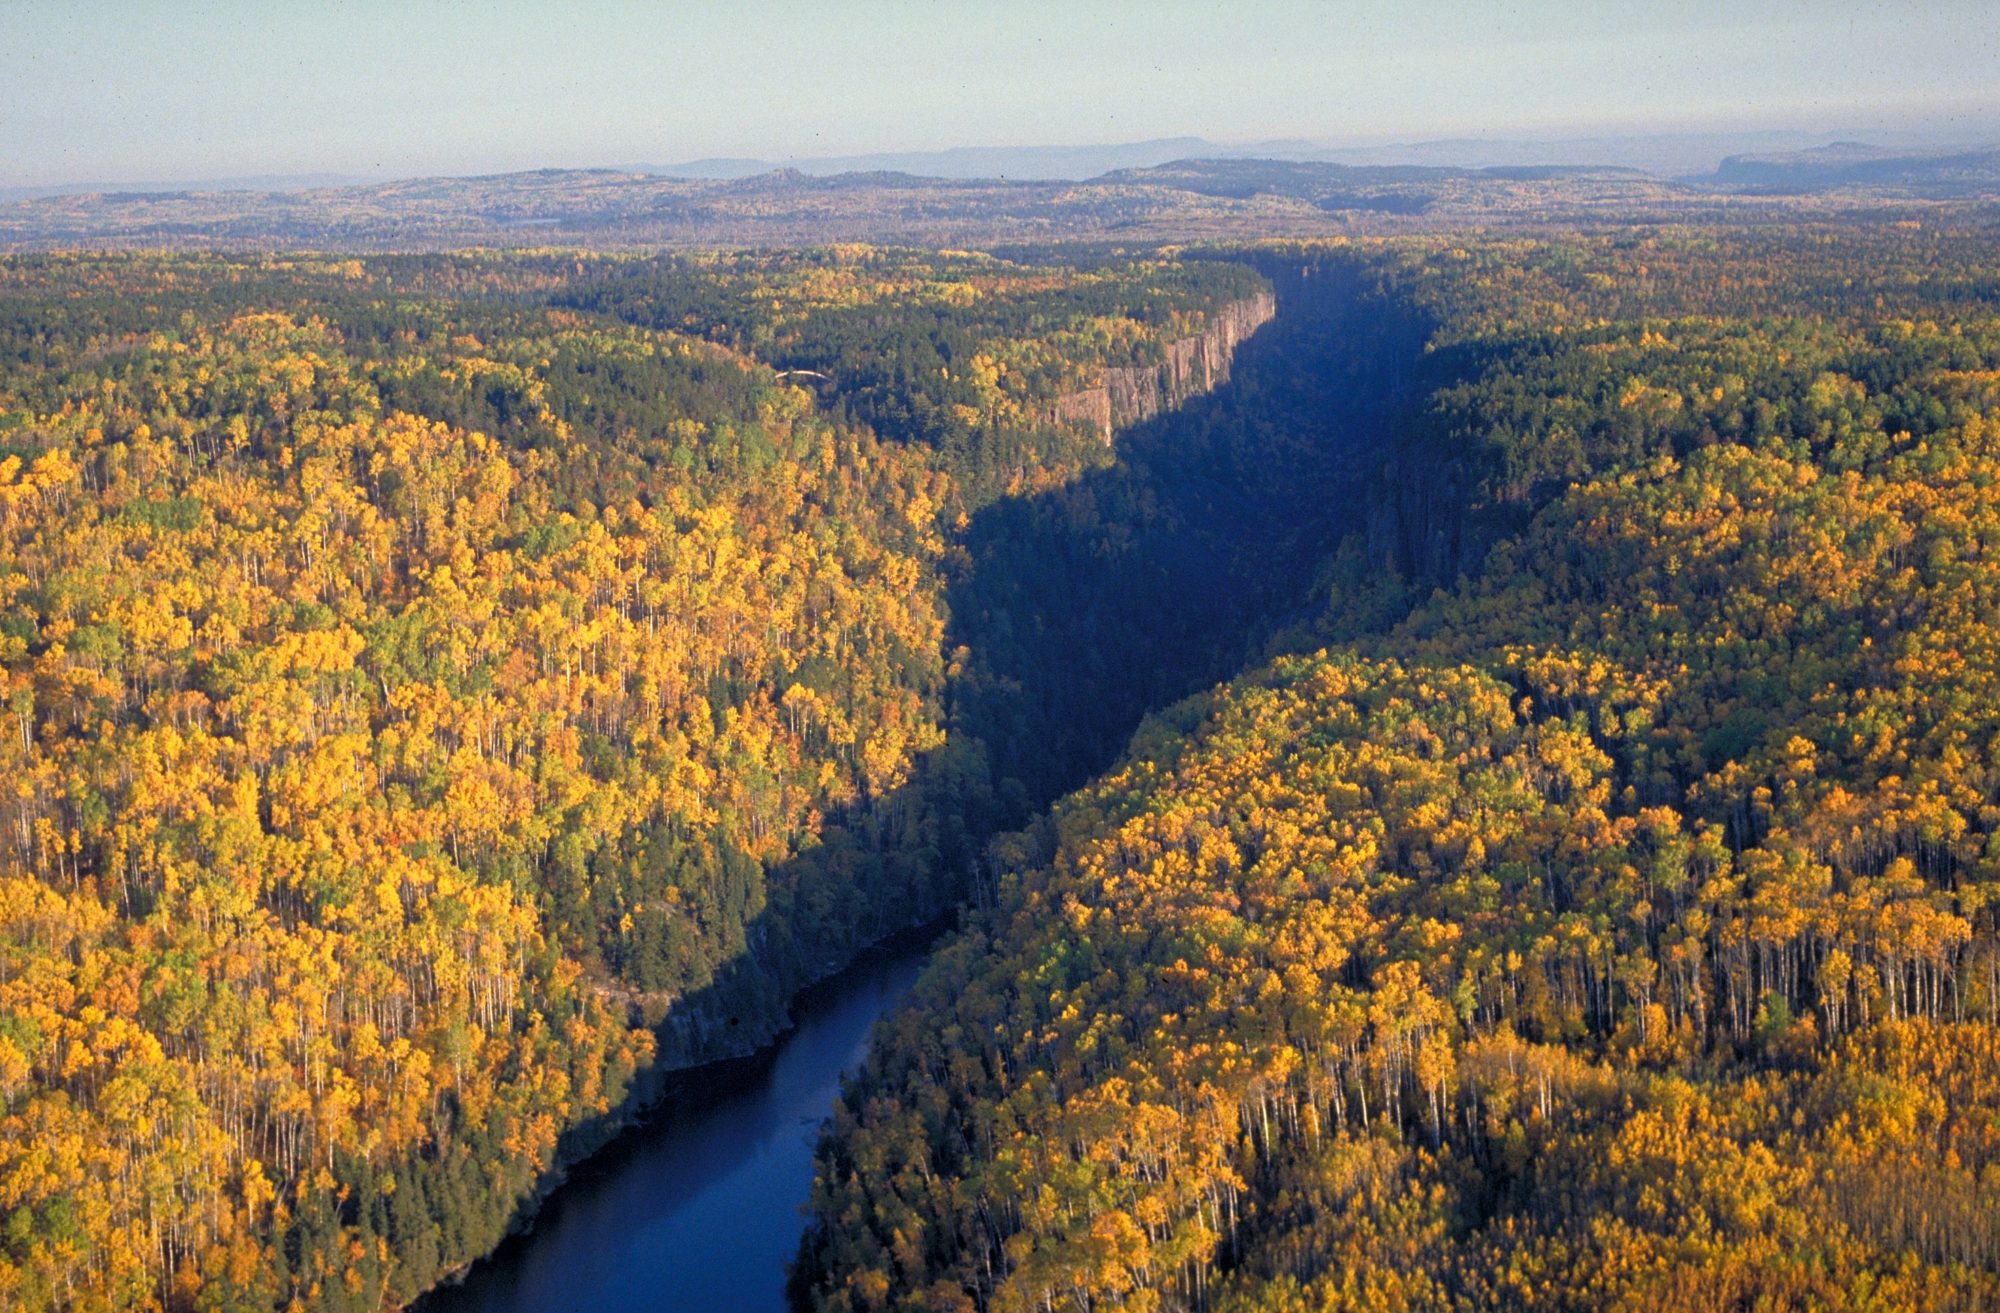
x: 1668, y: 155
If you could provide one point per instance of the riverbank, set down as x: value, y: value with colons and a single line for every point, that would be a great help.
x: 684, y: 1103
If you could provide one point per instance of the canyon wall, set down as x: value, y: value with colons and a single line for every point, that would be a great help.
x: 1129, y: 395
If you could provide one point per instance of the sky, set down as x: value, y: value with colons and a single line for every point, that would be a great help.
x: 98, y: 91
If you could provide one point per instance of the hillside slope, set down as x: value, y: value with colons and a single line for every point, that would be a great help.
x: 433, y: 710
x: 1603, y: 920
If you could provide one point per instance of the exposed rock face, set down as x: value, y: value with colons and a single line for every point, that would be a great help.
x: 1194, y: 365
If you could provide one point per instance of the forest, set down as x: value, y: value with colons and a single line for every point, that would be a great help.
x: 433, y: 705
x: 1480, y: 793
x: 1229, y: 199
x: 1588, y: 905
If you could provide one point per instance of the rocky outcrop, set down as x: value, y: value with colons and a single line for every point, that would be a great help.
x: 1130, y: 395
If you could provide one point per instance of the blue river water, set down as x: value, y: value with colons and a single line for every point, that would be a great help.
x: 699, y: 1209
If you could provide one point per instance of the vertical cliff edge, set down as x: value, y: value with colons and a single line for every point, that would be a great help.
x: 1131, y: 394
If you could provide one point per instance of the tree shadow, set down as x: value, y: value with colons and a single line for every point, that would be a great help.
x: 1084, y: 608
x: 1074, y: 613
x: 1077, y: 611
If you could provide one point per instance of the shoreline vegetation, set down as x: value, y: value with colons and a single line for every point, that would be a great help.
x: 1589, y: 906
x: 443, y: 694
x: 1496, y: 804
x: 671, y: 1088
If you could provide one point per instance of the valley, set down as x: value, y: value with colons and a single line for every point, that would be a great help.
x: 1382, y: 714
x: 1041, y: 658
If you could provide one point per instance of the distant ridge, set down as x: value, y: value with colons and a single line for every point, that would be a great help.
x: 271, y: 182
x: 1180, y: 200
x: 1665, y: 154
x: 1856, y: 164
x: 1689, y: 155
x: 1036, y: 163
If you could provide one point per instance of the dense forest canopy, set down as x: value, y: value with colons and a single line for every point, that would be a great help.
x: 1183, y: 200
x: 956, y: 351
x: 1595, y: 907
x: 430, y: 701
x: 447, y: 690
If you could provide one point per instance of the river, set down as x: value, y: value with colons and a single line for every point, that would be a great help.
x: 700, y: 1207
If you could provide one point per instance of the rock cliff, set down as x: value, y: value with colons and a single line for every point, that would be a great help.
x: 1131, y: 394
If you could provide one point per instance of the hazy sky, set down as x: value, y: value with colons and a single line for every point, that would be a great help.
x: 94, y: 90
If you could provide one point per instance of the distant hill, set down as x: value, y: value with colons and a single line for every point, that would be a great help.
x: 1665, y: 154
x: 1040, y: 163
x: 257, y: 182
x: 1179, y: 200
x: 1407, y: 189
x: 610, y: 208
x: 1854, y: 164
x: 1688, y: 156
x: 1790, y: 161
x: 1676, y: 154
